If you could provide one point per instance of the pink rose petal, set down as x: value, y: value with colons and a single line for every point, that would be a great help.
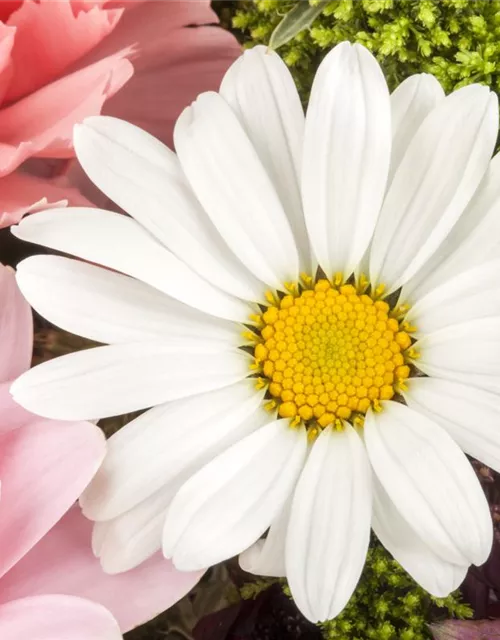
x: 138, y: 20
x: 16, y: 327
x: 21, y: 193
x: 174, y: 63
x: 56, y: 617
x: 7, y: 8
x: 12, y: 415
x: 7, y: 35
x: 44, y: 467
x: 42, y: 123
x: 86, y: 5
x: 193, y: 61
x: 50, y: 37
x: 62, y: 562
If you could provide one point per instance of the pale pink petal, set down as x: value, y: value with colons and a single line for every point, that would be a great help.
x: 174, y: 63
x: 7, y: 7
x: 86, y: 5
x: 140, y: 17
x: 62, y: 562
x: 194, y: 61
x: 56, y: 617
x: 50, y: 37
x: 21, y: 193
x: 16, y: 327
x: 44, y: 467
x: 42, y: 123
x: 7, y: 35
x: 12, y: 415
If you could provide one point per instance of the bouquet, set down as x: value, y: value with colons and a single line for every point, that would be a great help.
x: 250, y: 353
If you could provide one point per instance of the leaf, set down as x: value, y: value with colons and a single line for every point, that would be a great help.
x: 295, y: 21
x: 471, y: 630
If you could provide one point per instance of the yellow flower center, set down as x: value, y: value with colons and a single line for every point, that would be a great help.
x: 329, y: 352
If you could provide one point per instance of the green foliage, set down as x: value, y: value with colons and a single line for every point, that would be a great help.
x: 456, y: 40
x: 250, y: 590
x: 389, y: 605
x: 300, y: 17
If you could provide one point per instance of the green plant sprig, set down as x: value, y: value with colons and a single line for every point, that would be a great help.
x: 456, y: 40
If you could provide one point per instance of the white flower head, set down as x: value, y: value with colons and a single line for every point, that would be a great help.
x: 311, y: 305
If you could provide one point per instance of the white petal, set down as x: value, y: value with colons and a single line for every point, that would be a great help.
x: 118, y: 242
x: 179, y: 436
x: 473, y: 240
x: 329, y: 527
x: 117, y: 379
x: 347, y: 145
x: 267, y: 556
x: 430, y: 482
x: 441, y: 170
x: 261, y: 91
x: 470, y: 295
x: 143, y: 176
x: 479, y: 381
x: 229, y: 503
x: 411, y: 102
x: 228, y: 178
x: 435, y: 575
x: 109, y: 307
x: 471, y: 416
x: 466, y: 349
x: 128, y: 540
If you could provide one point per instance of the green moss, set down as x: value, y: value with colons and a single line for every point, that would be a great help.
x: 250, y: 590
x: 386, y: 605
x: 456, y: 40
x: 389, y: 605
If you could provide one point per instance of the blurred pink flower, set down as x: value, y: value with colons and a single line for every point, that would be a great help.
x: 45, y: 546
x: 63, y: 61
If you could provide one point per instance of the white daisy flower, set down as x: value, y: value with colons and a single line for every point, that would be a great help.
x: 312, y: 308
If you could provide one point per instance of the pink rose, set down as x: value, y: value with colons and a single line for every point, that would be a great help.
x: 61, y: 61
x: 45, y: 542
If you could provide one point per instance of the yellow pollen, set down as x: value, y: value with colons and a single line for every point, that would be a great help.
x: 363, y: 283
x: 329, y: 351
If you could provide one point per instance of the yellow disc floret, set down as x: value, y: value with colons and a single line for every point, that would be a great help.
x: 329, y: 352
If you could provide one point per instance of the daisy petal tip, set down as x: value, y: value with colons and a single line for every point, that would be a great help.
x: 93, y: 121
x: 168, y: 546
x: 205, y: 101
x: 493, y: 103
x: 109, y: 567
x: 310, y: 613
x: 14, y: 229
x: 189, y: 562
x: 184, y: 121
x: 80, y: 132
x: 84, y: 138
x: 362, y: 52
x: 249, y: 559
x: 485, y: 545
x: 260, y: 49
x: 443, y: 590
x: 262, y: 54
x: 24, y: 270
x: 14, y: 387
x: 341, y: 52
x: 344, y: 46
x: 480, y: 546
x: 313, y: 618
x: 88, y: 508
x: 96, y: 543
x: 78, y: 128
